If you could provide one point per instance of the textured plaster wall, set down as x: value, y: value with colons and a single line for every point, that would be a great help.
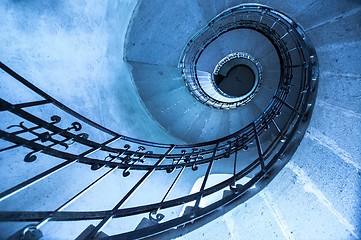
x: 73, y: 50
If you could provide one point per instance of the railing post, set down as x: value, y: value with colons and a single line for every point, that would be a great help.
x: 259, y: 148
x: 106, y: 220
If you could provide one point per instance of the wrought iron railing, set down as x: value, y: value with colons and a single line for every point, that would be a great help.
x: 288, y: 38
x: 246, y: 156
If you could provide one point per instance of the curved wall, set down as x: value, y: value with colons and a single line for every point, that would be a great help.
x: 71, y: 50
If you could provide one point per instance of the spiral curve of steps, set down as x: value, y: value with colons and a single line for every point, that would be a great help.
x: 221, y: 169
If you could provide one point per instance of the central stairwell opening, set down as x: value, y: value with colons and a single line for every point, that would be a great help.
x: 206, y: 149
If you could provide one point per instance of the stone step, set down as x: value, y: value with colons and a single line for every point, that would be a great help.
x: 333, y: 176
x: 334, y: 30
x: 340, y: 129
x: 340, y: 90
x: 214, y: 124
x: 292, y: 194
x: 194, y: 130
x: 240, y: 223
x: 263, y: 97
x: 153, y: 80
x: 182, y: 124
x: 211, y: 55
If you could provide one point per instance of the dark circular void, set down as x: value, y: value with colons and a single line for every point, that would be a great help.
x: 239, y: 81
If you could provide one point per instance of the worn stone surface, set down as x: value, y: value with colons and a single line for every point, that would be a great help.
x: 77, y: 49
x: 74, y: 51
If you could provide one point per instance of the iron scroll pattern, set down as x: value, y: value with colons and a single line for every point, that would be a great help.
x: 251, y: 153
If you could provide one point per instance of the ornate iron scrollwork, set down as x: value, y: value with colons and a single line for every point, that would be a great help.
x: 248, y: 155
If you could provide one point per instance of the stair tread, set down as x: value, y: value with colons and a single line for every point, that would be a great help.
x: 210, y: 57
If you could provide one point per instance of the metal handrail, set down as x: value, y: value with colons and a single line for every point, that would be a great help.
x: 198, y: 43
x: 127, y: 154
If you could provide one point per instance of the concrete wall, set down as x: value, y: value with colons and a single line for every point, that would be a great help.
x: 317, y: 195
x: 73, y: 50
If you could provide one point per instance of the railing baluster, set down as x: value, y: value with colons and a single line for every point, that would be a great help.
x: 233, y: 185
x: 276, y: 125
x: 106, y: 220
x: 235, y: 160
x: 77, y: 196
x: 208, y: 172
x: 156, y: 212
x: 8, y: 193
x: 285, y: 35
x: 259, y: 147
x: 263, y: 19
x: 173, y: 184
x: 260, y: 20
x: 289, y: 106
x: 274, y: 23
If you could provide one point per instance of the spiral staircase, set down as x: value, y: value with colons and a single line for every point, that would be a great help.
x: 115, y: 122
